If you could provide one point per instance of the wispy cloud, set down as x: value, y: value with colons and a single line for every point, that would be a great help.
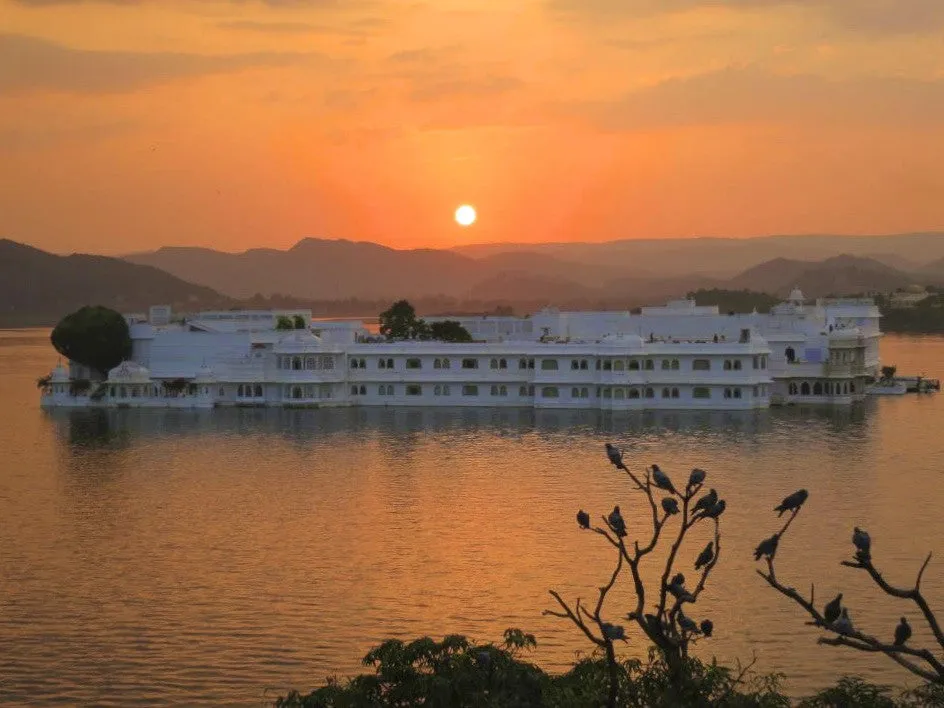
x: 28, y: 63
x: 870, y: 16
x: 752, y: 95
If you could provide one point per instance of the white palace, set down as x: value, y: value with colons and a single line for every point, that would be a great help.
x: 679, y: 356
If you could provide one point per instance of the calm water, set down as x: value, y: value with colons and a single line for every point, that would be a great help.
x: 154, y: 557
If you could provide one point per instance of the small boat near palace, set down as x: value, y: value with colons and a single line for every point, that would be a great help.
x: 887, y: 387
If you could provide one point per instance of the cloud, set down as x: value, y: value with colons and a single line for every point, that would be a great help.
x: 869, y: 16
x: 752, y: 95
x: 275, y: 27
x: 434, y: 89
x: 320, y: 4
x: 28, y: 63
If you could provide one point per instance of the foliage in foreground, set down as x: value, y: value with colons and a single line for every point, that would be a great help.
x: 462, y: 674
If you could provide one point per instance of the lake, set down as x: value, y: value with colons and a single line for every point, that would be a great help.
x: 219, y: 557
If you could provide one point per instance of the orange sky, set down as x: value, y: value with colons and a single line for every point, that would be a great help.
x: 131, y: 124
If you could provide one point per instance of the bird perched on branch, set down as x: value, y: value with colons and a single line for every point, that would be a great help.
x: 707, y: 627
x: 832, y: 609
x: 705, y: 557
x: 696, y: 477
x: 616, y: 456
x: 670, y: 505
x: 616, y: 521
x: 662, y: 479
x: 863, y: 544
x: 716, y: 510
x: 705, y: 502
x: 843, y: 625
x: 792, y: 502
x: 613, y: 631
x: 767, y: 547
x: 902, y: 632
x: 583, y: 519
x: 687, y: 624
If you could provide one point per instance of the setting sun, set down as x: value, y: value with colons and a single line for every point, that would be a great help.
x: 465, y: 215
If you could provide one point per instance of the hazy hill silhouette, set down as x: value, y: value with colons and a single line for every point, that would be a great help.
x: 839, y: 275
x: 37, y: 287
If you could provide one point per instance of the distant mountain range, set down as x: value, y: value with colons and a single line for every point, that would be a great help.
x: 633, y: 271
x: 38, y: 287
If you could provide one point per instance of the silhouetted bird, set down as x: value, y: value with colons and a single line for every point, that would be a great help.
x: 704, y: 558
x: 767, y: 547
x: 678, y: 580
x: 715, y: 511
x: 696, y: 477
x: 707, y: 627
x: 792, y: 502
x: 670, y: 505
x: 832, y: 609
x: 706, y: 502
x: 863, y: 543
x: 902, y: 632
x: 616, y: 456
x: 583, y: 519
x: 843, y: 625
x: 662, y: 479
x: 613, y: 631
x: 616, y: 521
x: 687, y: 624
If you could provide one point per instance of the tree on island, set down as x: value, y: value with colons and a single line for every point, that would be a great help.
x: 400, y: 322
x: 284, y: 323
x: 94, y: 336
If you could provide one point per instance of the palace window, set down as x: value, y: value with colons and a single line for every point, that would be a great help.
x: 353, y: 363
x: 634, y: 364
x: 584, y: 366
x: 675, y: 393
x: 494, y: 389
x: 619, y: 365
x: 817, y: 389
x: 701, y: 392
x: 737, y: 393
x: 550, y: 392
x: 607, y: 365
x: 414, y: 364
x: 353, y: 390
x: 727, y: 365
x: 666, y: 364
x: 607, y: 392
x: 257, y: 391
x: 650, y: 365
x: 437, y: 389
x: 414, y: 390
x: 470, y: 364
x: 470, y: 390
x: 493, y: 364
x: 363, y: 391
x: 389, y: 363
x: 650, y: 393
x: 619, y: 393
x: 701, y: 365
x: 549, y: 364
x: 574, y: 365
x: 634, y: 393
x: 446, y: 363
x: 727, y: 393
x: 502, y: 390
x: 675, y: 365
x: 666, y: 392
x: 737, y: 364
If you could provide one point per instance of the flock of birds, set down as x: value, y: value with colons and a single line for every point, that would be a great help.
x: 709, y: 506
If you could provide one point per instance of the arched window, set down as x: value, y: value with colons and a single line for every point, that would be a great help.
x: 297, y: 392
x: 607, y: 365
x: 607, y: 392
x: 790, y: 353
x: 737, y: 393
x: 296, y: 363
x: 817, y: 389
x: 382, y: 390
x: 437, y: 364
x: 650, y: 393
x: 737, y: 364
x: 549, y: 392
x: 502, y: 363
x: 445, y: 363
x: 619, y: 365
x: 363, y: 390
x: 574, y: 364
x: 522, y: 390
x: 805, y: 389
x: 522, y: 363
x: 437, y: 389
x: 675, y: 393
x: 634, y: 393
x: 310, y: 363
x: 414, y: 363
x: 598, y: 364
x: 650, y: 364
x: 620, y: 394
x: 666, y: 393
x: 257, y: 391
x: 845, y: 388
x: 239, y: 391
x: 353, y: 390
x: 666, y: 364
x: 494, y: 389
x: 389, y: 363
x: 363, y: 364
x: 353, y: 363
x: 575, y: 393
x: 549, y: 364
x: 793, y: 389
x: 583, y: 365
x: 493, y: 364
x: 222, y: 392
x: 584, y: 392
x: 727, y: 365
x: 502, y: 390
x: 727, y: 393
x: 634, y: 364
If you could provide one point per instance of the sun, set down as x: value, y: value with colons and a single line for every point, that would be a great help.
x: 465, y: 215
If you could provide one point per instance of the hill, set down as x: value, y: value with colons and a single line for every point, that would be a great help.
x: 37, y: 287
x: 839, y: 275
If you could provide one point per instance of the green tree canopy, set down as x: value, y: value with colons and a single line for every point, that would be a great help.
x: 449, y: 331
x: 299, y: 322
x: 283, y: 322
x: 94, y: 336
x: 401, y: 322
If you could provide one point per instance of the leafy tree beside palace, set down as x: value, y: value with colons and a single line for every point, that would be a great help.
x: 400, y: 322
